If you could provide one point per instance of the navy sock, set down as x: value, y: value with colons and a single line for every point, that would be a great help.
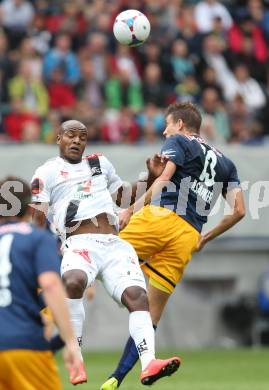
x: 128, y: 360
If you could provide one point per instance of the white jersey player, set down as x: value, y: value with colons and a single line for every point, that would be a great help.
x: 77, y: 194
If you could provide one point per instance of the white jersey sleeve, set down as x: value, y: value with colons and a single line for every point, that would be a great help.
x: 114, y: 182
x: 41, y: 185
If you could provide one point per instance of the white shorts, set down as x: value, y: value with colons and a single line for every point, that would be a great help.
x: 105, y: 257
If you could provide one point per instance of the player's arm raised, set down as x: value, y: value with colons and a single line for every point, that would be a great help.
x: 41, y: 190
x: 235, y: 200
x: 156, y: 187
x: 128, y: 193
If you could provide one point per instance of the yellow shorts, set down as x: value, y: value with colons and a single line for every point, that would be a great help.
x: 163, y: 241
x: 28, y: 370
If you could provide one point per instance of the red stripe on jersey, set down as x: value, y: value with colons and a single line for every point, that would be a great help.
x: 90, y: 156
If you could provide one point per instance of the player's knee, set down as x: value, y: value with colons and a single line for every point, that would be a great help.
x: 135, y: 298
x: 75, y: 283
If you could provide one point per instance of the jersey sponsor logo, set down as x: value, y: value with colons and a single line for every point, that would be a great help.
x: 83, y: 190
x: 84, y: 186
x: 83, y: 253
x: 37, y: 186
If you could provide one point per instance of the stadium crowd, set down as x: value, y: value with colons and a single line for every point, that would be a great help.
x: 59, y: 60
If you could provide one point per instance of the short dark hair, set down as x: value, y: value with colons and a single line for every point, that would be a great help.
x: 21, y: 191
x: 189, y: 114
x: 72, y: 124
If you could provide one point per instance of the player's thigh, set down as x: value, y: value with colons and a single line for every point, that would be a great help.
x: 122, y: 270
x: 147, y: 231
x: 80, y: 254
x: 30, y: 370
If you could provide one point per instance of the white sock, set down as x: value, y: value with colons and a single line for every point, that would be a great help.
x: 142, y: 332
x: 77, y: 316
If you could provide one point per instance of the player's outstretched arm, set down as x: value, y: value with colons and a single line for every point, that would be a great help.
x: 236, y: 202
x: 127, y: 194
x: 156, y: 187
x: 55, y: 297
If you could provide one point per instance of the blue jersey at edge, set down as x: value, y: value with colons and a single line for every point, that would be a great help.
x: 202, y: 174
x: 25, y: 253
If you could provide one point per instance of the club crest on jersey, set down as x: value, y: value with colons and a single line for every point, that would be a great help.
x: 83, y: 253
x: 37, y: 186
x: 64, y: 174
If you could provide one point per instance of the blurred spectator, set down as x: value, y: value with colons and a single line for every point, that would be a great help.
x: 152, y: 121
x: 29, y: 90
x: 256, y: 134
x: 209, y: 80
x: 50, y: 127
x: 151, y: 52
x: 247, y: 33
x: 205, y: 13
x: 27, y: 51
x: 96, y: 50
x: 259, y: 14
x: 187, y: 31
x: 123, y: 61
x: 248, y: 45
x: 120, y: 126
x: 212, y: 107
x: 16, y: 16
x: 62, y: 57
x: 91, y: 117
x: 6, y: 71
x: 61, y: 94
x: 19, y: 124
x: 188, y: 90
x: 153, y: 88
x: 239, y: 120
x: 241, y: 83
x: 70, y: 21
x: 181, y: 64
x: 120, y: 91
x: 88, y: 88
x: 40, y: 37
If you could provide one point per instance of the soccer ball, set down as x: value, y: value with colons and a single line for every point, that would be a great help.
x: 131, y: 28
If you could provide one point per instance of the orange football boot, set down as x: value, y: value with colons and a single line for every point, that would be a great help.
x: 80, y: 378
x: 159, y: 368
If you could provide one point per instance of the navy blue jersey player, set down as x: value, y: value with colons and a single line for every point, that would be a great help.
x: 28, y: 260
x: 168, y: 229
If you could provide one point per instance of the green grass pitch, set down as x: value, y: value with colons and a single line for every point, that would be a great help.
x: 244, y: 369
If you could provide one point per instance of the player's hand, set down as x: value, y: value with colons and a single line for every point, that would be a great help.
x: 124, y: 217
x: 156, y: 164
x: 72, y: 357
x: 202, y: 242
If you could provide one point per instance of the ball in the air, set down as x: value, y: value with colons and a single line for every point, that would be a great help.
x: 131, y: 28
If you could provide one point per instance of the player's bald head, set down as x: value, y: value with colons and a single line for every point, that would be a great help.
x: 72, y: 125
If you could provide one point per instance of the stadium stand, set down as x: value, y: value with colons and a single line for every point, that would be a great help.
x: 59, y: 59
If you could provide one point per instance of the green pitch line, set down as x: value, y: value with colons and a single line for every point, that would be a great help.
x: 244, y: 369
